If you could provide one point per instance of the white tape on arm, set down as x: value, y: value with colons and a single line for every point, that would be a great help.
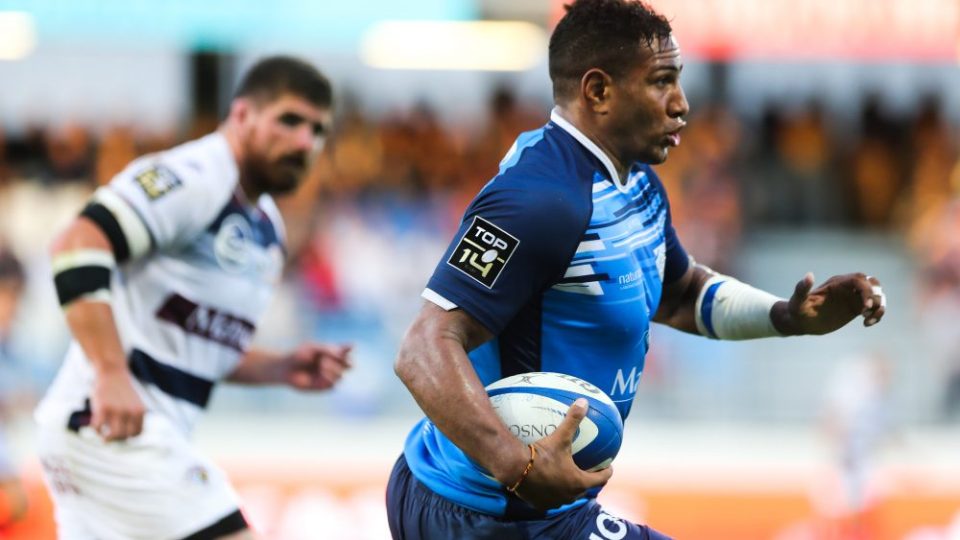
x: 732, y: 310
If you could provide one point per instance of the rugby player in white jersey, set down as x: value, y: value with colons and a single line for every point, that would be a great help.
x: 163, y: 278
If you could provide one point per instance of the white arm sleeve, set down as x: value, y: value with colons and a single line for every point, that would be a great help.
x: 732, y: 310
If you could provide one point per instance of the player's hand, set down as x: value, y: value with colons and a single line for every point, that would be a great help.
x: 831, y: 305
x: 116, y: 407
x: 317, y: 366
x: 555, y: 479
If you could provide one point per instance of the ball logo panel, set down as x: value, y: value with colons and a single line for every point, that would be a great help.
x: 560, y: 381
x: 529, y: 417
x: 483, y: 251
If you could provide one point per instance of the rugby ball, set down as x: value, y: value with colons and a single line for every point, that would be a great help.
x: 532, y: 405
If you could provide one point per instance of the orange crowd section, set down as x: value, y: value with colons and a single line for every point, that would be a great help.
x: 283, y: 505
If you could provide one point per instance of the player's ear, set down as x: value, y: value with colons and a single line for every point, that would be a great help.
x: 240, y: 109
x: 596, y: 87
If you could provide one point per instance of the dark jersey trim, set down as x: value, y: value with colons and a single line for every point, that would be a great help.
x: 585, y: 279
x: 80, y: 418
x: 170, y: 380
x: 519, y: 510
x: 519, y: 345
x: 105, y: 220
x: 230, y: 524
x: 706, y: 309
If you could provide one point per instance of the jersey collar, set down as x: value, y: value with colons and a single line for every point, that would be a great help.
x: 565, y: 125
x: 225, y: 155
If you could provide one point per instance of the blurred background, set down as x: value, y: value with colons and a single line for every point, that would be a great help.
x: 824, y: 137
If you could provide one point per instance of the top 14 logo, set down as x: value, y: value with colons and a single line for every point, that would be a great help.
x: 483, y: 251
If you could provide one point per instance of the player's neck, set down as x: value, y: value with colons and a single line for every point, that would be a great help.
x: 589, y: 129
x: 247, y: 189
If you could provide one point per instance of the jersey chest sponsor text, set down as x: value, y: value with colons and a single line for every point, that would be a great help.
x: 625, y: 382
x: 209, y: 323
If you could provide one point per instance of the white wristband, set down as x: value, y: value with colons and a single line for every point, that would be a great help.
x: 732, y: 310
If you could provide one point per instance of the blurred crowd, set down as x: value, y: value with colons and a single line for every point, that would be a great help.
x: 793, y: 166
x: 381, y: 203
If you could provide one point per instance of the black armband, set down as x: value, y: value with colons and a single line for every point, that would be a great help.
x: 125, y: 229
x: 83, y: 274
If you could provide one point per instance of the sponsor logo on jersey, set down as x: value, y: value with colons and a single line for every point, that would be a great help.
x: 483, y: 251
x: 609, y: 528
x: 232, y: 243
x: 207, y: 322
x: 157, y: 181
x: 630, y: 279
x: 197, y: 475
x: 625, y: 383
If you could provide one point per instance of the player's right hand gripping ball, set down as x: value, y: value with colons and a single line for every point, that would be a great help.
x: 532, y: 405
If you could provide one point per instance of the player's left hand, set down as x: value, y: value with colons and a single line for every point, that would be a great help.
x: 830, y: 306
x: 317, y: 366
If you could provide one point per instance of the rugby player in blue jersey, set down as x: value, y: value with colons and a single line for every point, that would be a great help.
x: 561, y: 263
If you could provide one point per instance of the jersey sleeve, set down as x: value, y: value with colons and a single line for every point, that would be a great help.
x: 511, y: 245
x: 677, y: 260
x: 172, y: 203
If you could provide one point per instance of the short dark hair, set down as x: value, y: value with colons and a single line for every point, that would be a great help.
x: 604, y: 34
x: 274, y: 76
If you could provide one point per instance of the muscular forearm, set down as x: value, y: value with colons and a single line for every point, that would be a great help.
x: 93, y: 326
x: 434, y: 366
x: 259, y: 367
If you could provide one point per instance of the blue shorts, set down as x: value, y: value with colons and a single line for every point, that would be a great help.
x: 416, y: 513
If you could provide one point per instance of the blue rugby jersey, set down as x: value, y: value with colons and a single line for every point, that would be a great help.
x: 565, y: 265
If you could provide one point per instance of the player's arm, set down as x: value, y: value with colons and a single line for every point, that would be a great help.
x: 312, y: 366
x: 718, y: 306
x: 84, y: 258
x: 151, y: 205
x: 434, y: 366
x: 700, y: 301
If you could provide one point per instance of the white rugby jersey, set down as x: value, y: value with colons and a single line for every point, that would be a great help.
x: 187, y: 307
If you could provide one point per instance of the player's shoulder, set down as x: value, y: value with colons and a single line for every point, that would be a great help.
x: 204, y: 166
x: 548, y: 154
x: 531, y: 198
x: 542, y: 174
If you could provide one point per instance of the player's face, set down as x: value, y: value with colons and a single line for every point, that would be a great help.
x: 283, y: 138
x: 649, y: 105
